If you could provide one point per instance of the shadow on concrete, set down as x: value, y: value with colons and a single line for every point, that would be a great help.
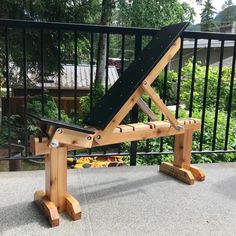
x: 20, y: 214
x: 128, y: 187
x: 226, y: 187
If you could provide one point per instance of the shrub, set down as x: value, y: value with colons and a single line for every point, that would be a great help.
x: 167, y: 142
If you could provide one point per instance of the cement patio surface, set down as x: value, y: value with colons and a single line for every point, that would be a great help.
x: 126, y: 201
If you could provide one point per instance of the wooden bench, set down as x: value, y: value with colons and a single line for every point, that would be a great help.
x: 103, y: 127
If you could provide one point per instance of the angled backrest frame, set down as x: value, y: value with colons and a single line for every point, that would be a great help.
x: 110, y: 104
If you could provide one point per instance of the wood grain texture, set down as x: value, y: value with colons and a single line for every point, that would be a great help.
x: 198, y: 174
x: 48, y: 207
x: 73, y: 208
x: 160, y: 104
x: 179, y: 173
x: 56, y: 176
x: 183, y: 149
x: 141, y: 131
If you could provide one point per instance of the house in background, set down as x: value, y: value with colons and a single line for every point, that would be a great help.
x: 67, y: 87
x: 188, y: 49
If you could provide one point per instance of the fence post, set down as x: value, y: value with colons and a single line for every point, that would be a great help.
x: 134, y: 113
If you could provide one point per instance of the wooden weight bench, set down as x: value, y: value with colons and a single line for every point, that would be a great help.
x: 104, y: 127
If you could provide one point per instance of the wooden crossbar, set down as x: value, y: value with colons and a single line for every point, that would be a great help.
x: 123, y: 133
x: 161, y: 105
x: 146, y: 109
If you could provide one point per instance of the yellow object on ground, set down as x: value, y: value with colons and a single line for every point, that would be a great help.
x: 95, y: 162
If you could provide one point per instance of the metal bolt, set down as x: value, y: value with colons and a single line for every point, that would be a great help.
x: 54, y: 143
x: 179, y: 127
x: 59, y: 130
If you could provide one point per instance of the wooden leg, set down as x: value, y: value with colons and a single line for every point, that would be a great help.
x: 56, y: 176
x: 57, y: 199
x: 181, y: 168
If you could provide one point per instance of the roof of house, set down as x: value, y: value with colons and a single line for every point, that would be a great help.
x: 83, y: 77
x: 67, y: 80
x: 203, y: 43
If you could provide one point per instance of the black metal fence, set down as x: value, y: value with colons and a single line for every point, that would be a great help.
x: 42, y: 49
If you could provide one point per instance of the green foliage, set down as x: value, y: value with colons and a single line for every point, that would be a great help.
x: 227, y: 15
x: 16, y: 131
x: 153, y: 145
x: 213, y: 76
x: 17, y: 122
x: 42, y: 10
x: 34, y: 106
x: 97, y: 93
x: 146, y: 13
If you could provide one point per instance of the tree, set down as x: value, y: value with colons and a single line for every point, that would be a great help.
x: 106, y: 14
x: 228, y: 13
x: 85, y: 11
x: 207, y: 16
x: 152, y: 13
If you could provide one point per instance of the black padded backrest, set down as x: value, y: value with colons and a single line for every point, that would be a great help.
x: 133, y: 76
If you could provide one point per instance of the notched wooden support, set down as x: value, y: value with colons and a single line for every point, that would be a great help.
x: 39, y: 147
x: 198, y: 174
x: 179, y: 173
x: 72, y: 207
x: 71, y: 137
x: 49, y: 208
x: 181, y: 167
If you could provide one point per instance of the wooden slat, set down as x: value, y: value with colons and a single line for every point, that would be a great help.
x: 140, y: 126
x: 125, y: 128
x: 162, y: 128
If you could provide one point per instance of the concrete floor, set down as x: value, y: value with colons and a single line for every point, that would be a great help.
x: 126, y: 201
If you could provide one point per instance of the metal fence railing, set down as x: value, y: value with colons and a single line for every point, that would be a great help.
x: 33, y: 55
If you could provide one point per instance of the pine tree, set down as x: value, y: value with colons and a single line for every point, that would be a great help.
x: 207, y: 16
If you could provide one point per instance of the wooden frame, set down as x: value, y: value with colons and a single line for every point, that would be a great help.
x: 56, y: 198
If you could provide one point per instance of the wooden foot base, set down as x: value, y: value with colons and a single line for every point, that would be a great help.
x: 50, y: 210
x: 48, y: 207
x: 198, y: 174
x: 73, y: 208
x: 187, y: 176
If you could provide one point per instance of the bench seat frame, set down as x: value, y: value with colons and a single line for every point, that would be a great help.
x: 61, y: 140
